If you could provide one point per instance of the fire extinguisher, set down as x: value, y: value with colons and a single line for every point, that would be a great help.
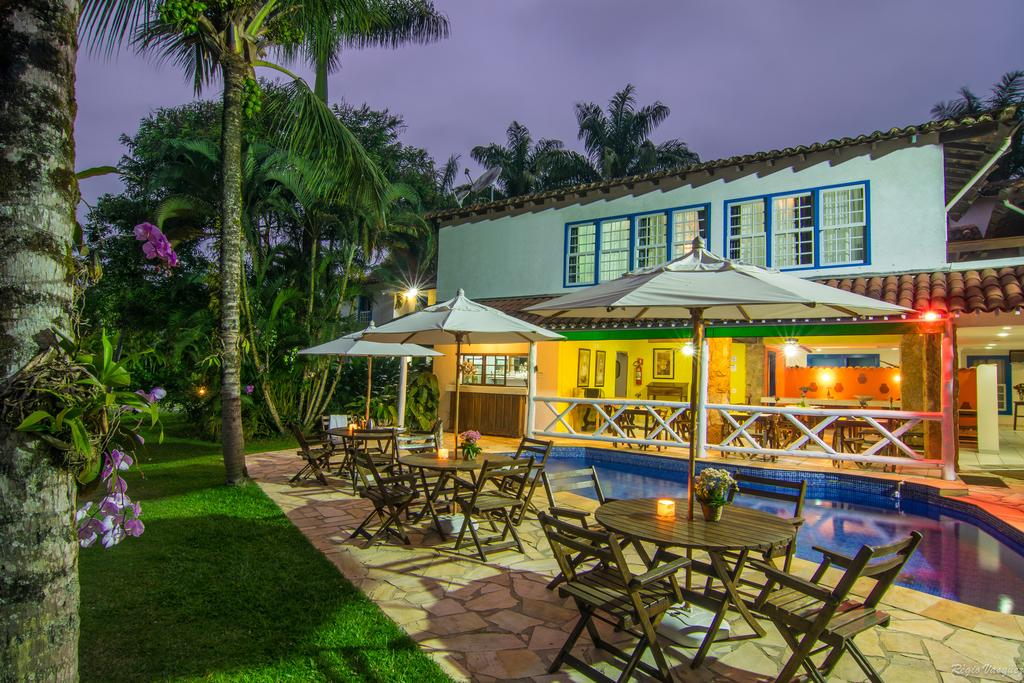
x: 638, y: 371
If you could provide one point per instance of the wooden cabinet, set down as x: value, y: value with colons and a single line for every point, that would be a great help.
x: 493, y: 414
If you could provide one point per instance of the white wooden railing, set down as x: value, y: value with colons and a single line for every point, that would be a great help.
x: 766, y: 431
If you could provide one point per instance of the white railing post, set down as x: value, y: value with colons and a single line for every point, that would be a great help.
x: 531, y: 390
x: 403, y: 383
x: 701, y: 437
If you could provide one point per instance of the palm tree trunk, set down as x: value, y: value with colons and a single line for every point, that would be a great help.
x: 39, y: 554
x: 232, y: 439
x: 320, y: 84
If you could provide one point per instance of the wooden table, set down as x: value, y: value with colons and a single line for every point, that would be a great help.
x: 447, y: 469
x: 740, y: 531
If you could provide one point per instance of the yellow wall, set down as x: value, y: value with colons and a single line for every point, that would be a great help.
x: 738, y: 368
x: 568, y: 364
x: 557, y: 364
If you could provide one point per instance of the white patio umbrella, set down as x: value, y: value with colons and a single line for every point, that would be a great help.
x: 701, y: 286
x: 465, y: 321
x: 355, y: 345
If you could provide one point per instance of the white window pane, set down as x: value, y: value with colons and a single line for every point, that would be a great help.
x: 580, y: 254
x: 651, y: 238
x: 614, y: 261
x: 793, y: 231
x: 843, y: 225
x: 686, y: 225
x: 747, y: 240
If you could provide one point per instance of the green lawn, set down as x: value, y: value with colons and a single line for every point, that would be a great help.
x: 221, y: 586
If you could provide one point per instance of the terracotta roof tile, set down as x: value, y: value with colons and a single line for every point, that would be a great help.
x: 941, y: 126
x: 965, y: 291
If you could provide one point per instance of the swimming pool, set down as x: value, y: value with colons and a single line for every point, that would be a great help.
x: 962, y: 557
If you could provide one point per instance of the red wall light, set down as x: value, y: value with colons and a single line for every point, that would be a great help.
x: 930, y: 316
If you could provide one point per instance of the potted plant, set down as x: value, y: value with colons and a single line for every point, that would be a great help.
x: 470, y: 447
x: 714, y: 489
x: 1019, y: 388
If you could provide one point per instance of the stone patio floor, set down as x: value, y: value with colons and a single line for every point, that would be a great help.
x: 498, y: 622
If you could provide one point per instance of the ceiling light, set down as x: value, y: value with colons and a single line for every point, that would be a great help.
x: 1003, y: 334
x: 791, y: 347
x: 930, y: 316
x: 1007, y: 327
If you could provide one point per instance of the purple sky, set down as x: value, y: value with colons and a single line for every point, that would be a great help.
x: 740, y: 76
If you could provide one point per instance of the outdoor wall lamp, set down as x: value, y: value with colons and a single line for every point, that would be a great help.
x: 791, y: 347
x: 687, y: 349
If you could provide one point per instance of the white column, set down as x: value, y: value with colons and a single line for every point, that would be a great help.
x: 948, y: 404
x: 702, y: 416
x: 988, y: 410
x: 403, y: 380
x: 531, y: 389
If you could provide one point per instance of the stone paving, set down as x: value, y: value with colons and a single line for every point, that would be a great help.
x: 498, y: 622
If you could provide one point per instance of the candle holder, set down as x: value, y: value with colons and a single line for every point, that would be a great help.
x: 442, y: 453
x: 666, y: 508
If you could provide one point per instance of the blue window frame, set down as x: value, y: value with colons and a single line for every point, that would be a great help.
x: 604, y: 248
x: 843, y: 360
x: 817, y: 227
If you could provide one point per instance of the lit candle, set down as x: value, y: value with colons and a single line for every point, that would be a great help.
x: 442, y: 453
x: 666, y: 507
x: 351, y: 427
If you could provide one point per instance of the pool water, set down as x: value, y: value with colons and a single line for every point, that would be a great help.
x: 957, y: 559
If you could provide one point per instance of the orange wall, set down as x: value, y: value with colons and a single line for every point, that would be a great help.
x: 844, y: 383
x: 968, y: 379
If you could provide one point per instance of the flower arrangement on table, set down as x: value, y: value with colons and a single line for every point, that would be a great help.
x: 470, y: 447
x: 714, y: 489
x: 803, y: 396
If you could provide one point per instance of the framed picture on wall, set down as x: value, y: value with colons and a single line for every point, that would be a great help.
x: 664, y: 360
x: 599, y: 368
x: 583, y: 369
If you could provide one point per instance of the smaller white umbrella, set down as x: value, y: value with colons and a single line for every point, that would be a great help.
x: 463, y: 321
x: 354, y: 345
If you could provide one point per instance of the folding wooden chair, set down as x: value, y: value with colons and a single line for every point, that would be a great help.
x: 791, y: 494
x: 540, y: 451
x: 496, y: 505
x: 316, y: 459
x: 809, y: 612
x: 391, y: 496
x: 380, y: 444
x: 610, y: 592
x: 572, y: 480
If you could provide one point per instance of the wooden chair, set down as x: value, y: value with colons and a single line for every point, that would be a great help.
x: 496, y: 505
x: 391, y: 496
x: 316, y: 460
x: 573, y: 480
x: 809, y: 612
x: 540, y: 451
x: 581, y: 479
x: 610, y: 592
x: 788, y: 492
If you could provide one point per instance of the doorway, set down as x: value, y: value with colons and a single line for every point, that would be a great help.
x: 621, y: 374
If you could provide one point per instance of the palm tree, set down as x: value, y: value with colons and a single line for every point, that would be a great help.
x: 525, y: 167
x: 1008, y: 92
x: 397, y: 23
x: 232, y: 40
x: 39, y: 553
x: 617, y: 143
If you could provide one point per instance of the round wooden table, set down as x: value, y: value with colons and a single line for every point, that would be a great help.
x: 447, y: 469
x: 740, y: 531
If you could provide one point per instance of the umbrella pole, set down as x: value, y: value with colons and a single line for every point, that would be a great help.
x: 369, y: 385
x: 696, y: 402
x: 458, y: 382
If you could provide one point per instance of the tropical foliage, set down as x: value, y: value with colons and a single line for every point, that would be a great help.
x: 1008, y: 92
x: 616, y: 143
x: 308, y: 258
